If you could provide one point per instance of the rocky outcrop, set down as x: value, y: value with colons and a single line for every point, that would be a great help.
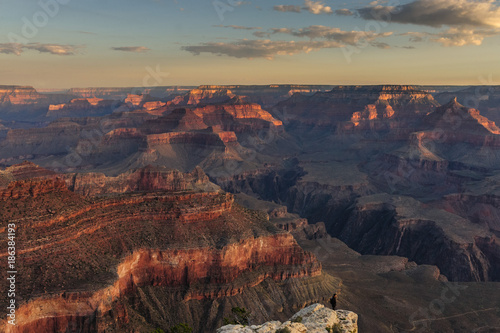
x: 177, y: 120
x: 147, y: 179
x: 149, y: 106
x: 314, y: 319
x: 28, y: 180
x: 205, y: 95
x: 24, y: 103
x: 484, y: 98
x: 137, y: 100
x: 237, y: 117
x: 31, y: 188
x: 455, y: 117
x: 19, y: 95
x: 203, y: 139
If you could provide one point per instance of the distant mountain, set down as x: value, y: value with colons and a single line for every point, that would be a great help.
x: 453, y: 116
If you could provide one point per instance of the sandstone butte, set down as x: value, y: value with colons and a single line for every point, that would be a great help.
x: 146, y: 249
x: 14, y: 95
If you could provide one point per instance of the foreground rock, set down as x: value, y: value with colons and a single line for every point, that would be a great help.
x: 314, y: 318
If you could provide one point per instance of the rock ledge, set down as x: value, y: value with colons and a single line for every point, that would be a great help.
x: 315, y: 319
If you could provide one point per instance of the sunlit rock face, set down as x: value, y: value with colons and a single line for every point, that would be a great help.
x: 103, y: 241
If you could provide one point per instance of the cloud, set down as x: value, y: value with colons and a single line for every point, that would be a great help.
x: 344, y: 12
x: 436, y: 13
x: 260, y: 48
x: 261, y: 34
x: 11, y: 48
x: 56, y: 49
x: 314, y: 7
x: 462, y: 37
x: 381, y: 45
x: 136, y: 49
x: 317, y: 7
x: 332, y: 34
x: 454, y: 36
x: 416, y: 37
x: 287, y: 8
x: 237, y: 27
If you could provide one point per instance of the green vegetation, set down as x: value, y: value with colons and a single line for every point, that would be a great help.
x: 181, y: 328
x: 240, y: 317
x: 158, y: 330
x: 297, y: 320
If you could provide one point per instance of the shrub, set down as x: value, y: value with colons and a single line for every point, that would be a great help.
x: 181, y: 328
x: 158, y: 330
x: 297, y: 320
x: 240, y: 317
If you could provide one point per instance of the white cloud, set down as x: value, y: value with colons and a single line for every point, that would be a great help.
x: 314, y: 7
x: 288, y: 8
x: 317, y: 7
x: 454, y: 36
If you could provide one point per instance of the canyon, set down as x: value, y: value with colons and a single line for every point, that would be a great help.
x: 105, y: 242
x: 185, y: 202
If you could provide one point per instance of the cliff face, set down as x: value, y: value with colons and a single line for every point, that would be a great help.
x: 483, y: 98
x: 24, y: 103
x: 380, y: 224
x: 250, y: 115
x: 269, y: 95
x: 53, y: 139
x: 202, y: 139
x: 402, y: 226
x: 28, y: 180
x: 83, y: 107
x: 454, y: 116
x: 178, y: 238
x: 143, y: 180
x: 177, y: 120
x: 345, y: 105
x: 204, y: 95
x: 483, y: 209
x: 16, y: 95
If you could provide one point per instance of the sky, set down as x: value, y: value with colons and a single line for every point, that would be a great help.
x: 123, y: 43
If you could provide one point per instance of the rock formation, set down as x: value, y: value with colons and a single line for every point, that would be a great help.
x: 314, y: 318
x: 152, y: 235
x: 357, y: 108
x: 204, y: 95
x: 84, y: 107
x: 16, y: 95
